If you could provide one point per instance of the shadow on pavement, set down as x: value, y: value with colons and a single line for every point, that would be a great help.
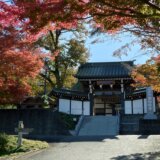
x: 143, y: 136
x: 72, y: 138
x: 139, y: 156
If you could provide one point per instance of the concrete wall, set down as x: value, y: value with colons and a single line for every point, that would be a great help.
x: 43, y: 121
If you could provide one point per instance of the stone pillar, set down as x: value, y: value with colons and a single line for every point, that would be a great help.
x: 20, y: 128
x: 150, y: 110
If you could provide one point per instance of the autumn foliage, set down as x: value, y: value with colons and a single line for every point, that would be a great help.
x: 19, y: 63
x: 16, y: 68
x: 36, y: 17
x: 148, y: 74
x: 22, y: 22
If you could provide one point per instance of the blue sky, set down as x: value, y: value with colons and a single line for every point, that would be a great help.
x: 103, y: 51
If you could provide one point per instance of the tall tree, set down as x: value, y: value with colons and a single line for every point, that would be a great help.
x: 66, y: 55
x: 18, y: 64
x: 16, y: 69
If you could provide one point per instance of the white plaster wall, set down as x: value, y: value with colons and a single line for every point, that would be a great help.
x: 86, y: 108
x: 64, y: 105
x: 138, y: 106
x: 128, y: 107
x: 76, y: 107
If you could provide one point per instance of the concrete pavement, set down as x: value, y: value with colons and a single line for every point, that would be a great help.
x: 124, y: 147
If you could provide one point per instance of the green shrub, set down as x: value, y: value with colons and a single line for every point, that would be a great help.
x: 68, y: 120
x: 3, y: 142
x: 8, y: 145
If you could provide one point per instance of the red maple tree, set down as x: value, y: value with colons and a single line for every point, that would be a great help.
x: 23, y: 21
x: 18, y: 62
x: 16, y: 69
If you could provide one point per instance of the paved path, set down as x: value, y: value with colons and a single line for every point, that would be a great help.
x: 129, y: 147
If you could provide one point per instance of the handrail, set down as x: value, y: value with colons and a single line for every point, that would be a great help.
x: 78, y: 126
x: 118, y: 124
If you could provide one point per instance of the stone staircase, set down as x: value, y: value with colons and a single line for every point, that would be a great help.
x: 130, y: 124
x: 99, y: 126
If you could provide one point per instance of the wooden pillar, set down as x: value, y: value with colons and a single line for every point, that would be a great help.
x: 122, y: 86
x: 132, y: 105
x: 143, y: 105
x: 91, y: 97
x: 122, y: 97
x: 104, y: 107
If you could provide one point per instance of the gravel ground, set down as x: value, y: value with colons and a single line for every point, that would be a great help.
x: 124, y: 147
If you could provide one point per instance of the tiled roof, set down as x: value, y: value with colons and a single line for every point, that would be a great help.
x: 69, y: 93
x: 105, y: 70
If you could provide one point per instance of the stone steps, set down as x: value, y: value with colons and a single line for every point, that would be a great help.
x: 99, y: 125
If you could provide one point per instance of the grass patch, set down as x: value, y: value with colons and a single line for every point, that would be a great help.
x: 8, y: 145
